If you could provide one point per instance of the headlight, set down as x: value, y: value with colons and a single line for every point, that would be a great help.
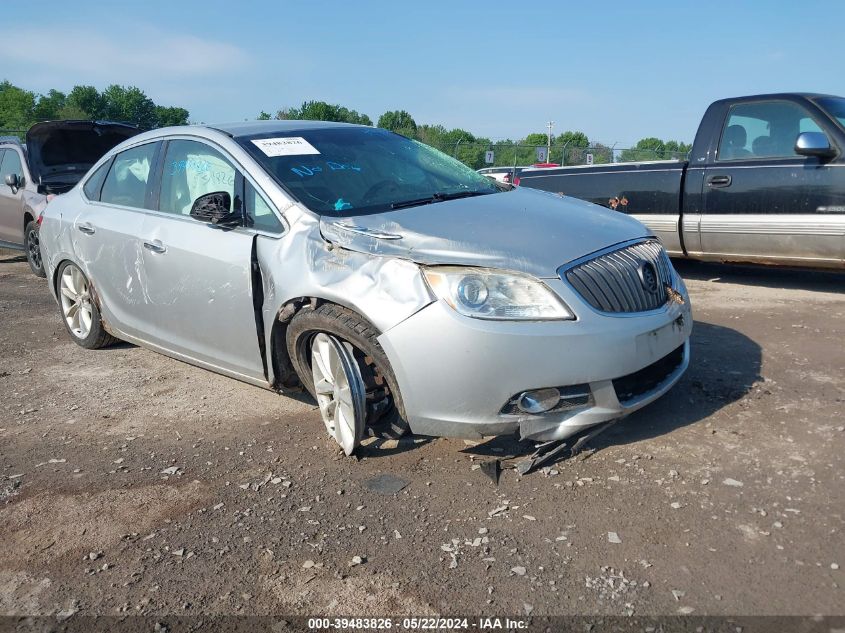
x: 484, y: 293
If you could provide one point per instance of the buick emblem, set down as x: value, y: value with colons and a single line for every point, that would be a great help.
x: 648, y: 277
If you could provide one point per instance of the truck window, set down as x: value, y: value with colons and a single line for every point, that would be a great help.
x: 767, y: 129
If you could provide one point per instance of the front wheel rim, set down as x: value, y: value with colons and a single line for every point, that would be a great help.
x: 77, y: 309
x: 34, y: 248
x: 339, y: 390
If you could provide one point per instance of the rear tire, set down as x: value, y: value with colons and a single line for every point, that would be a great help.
x: 385, y: 411
x: 79, y: 310
x: 32, y: 245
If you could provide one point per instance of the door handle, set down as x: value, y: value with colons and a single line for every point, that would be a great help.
x: 719, y: 181
x: 86, y: 228
x: 155, y: 246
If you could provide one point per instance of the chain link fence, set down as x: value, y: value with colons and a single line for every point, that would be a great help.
x: 477, y: 155
x: 20, y: 134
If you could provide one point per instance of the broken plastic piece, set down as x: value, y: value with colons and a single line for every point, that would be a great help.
x: 544, y: 453
x: 492, y: 469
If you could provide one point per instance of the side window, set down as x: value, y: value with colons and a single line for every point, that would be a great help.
x: 259, y: 214
x: 11, y: 165
x: 94, y: 183
x: 767, y: 129
x: 126, y: 183
x: 193, y: 169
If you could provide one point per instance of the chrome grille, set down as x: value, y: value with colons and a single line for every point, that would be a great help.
x: 618, y: 281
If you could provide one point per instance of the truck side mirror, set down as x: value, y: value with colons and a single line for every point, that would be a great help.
x: 13, y: 181
x: 814, y: 144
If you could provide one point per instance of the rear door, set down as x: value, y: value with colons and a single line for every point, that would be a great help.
x: 106, y: 233
x: 198, y: 295
x: 11, y: 203
x: 762, y: 201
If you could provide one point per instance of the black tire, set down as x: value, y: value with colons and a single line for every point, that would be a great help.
x: 97, y: 337
x: 33, y: 249
x: 385, y: 410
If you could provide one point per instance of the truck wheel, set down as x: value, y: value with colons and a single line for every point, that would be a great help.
x: 33, y: 249
x: 385, y: 413
x: 79, y: 311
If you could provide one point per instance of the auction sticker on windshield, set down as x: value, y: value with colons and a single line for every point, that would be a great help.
x: 285, y: 146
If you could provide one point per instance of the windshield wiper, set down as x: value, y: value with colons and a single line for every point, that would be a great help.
x: 437, y: 197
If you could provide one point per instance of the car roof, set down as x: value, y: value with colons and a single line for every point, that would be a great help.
x: 251, y: 128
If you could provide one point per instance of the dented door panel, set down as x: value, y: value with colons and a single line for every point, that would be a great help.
x: 198, y: 293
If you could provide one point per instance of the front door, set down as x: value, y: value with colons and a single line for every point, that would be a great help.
x: 11, y: 202
x: 198, y: 295
x: 762, y: 201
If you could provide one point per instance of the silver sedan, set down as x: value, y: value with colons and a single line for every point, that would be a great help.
x: 400, y: 288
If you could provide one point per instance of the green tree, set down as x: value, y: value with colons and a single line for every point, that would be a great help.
x: 573, y: 144
x: 650, y: 148
x: 87, y: 101
x: 17, y: 107
x: 170, y: 115
x: 50, y: 106
x: 129, y: 104
x: 538, y: 139
x: 322, y: 111
x: 573, y: 139
x: 674, y: 150
x: 398, y: 121
x: 263, y: 116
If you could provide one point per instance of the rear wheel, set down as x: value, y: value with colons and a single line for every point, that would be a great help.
x: 33, y: 249
x: 79, y: 311
x: 384, y: 413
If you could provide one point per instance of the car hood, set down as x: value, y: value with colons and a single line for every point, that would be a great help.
x: 61, y: 152
x: 525, y: 230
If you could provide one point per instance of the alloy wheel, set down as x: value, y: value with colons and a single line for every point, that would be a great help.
x: 74, y: 291
x: 33, y: 247
x: 339, y: 390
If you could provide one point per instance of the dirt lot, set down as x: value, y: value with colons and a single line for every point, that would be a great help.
x: 132, y: 483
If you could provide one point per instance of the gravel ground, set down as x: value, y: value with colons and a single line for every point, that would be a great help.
x: 133, y: 483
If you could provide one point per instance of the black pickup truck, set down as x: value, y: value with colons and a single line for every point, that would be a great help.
x: 764, y: 183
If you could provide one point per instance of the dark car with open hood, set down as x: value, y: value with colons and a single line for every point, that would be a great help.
x: 56, y: 155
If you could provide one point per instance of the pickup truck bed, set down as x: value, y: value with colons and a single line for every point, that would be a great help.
x: 765, y: 183
x: 650, y: 190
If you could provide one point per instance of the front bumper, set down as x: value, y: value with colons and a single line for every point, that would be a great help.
x: 456, y: 373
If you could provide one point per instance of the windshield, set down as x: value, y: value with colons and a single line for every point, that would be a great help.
x: 835, y: 107
x: 345, y: 171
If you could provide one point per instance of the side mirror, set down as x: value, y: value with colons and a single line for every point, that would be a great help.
x: 13, y: 181
x: 214, y: 209
x: 814, y: 144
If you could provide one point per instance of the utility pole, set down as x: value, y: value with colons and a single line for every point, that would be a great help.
x: 549, y: 146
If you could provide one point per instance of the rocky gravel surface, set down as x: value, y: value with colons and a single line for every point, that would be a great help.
x: 133, y: 483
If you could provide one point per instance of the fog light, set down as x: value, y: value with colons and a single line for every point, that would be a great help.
x: 539, y: 400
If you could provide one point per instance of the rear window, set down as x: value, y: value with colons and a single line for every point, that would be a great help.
x: 344, y: 171
x: 95, y: 182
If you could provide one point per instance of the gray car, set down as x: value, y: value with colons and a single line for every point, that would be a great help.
x: 403, y: 290
x: 53, y: 159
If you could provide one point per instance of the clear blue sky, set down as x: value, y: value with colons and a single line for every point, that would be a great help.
x: 615, y: 70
